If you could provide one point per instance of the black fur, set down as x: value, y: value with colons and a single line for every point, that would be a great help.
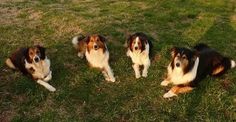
x: 209, y: 60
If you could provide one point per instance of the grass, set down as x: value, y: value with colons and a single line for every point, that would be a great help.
x: 82, y: 94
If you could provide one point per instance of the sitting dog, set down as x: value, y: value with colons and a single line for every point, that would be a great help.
x: 188, y: 67
x: 32, y: 61
x: 138, y: 51
x: 95, y: 50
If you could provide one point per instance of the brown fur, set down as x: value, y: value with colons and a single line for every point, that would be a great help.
x: 98, y: 39
x: 181, y: 89
x: 218, y: 70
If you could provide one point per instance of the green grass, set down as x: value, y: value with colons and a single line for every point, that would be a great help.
x: 82, y: 93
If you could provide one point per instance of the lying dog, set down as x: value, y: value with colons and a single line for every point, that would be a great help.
x: 32, y: 61
x: 96, y: 52
x: 188, y: 67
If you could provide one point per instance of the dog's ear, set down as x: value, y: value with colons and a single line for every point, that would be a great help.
x: 42, y: 51
x: 130, y: 41
x: 102, y: 38
x: 173, y: 51
x: 87, y: 39
x: 195, y: 55
x: 27, y: 57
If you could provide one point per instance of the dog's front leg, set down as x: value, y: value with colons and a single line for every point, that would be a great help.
x: 145, y: 69
x: 165, y: 82
x: 46, y: 85
x: 136, y: 70
x: 49, y: 77
x: 110, y: 73
x: 174, y: 91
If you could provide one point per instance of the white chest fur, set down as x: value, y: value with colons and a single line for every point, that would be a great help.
x: 97, y: 58
x: 41, y: 69
x: 177, y: 77
x: 139, y: 57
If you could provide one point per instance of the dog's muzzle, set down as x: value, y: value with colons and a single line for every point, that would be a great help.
x: 95, y: 47
x: 36, y: 59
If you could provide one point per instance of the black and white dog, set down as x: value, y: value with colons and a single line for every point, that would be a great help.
x: 188, y: 67
x: 138, y: 51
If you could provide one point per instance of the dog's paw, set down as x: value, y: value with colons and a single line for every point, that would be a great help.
x: 81, y: 55
x: 169, y: 94
x: 52, y: 89
x: 127, y: 53
x: 137, y: 76
x: 113, y: 79
x: 165, y: 83
x: 144, y: 75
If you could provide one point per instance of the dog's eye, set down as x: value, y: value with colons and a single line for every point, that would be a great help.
x: 184, y: 57
x: 37, y: 51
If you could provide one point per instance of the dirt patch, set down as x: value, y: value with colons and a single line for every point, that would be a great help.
x: 64, y: 26
x: 8, y: 16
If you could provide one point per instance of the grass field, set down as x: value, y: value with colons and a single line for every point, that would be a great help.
x: 82, y: 93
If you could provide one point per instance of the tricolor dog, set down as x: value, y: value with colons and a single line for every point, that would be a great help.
x: 95, y: 50
x: 189, y: 66
x: 138, y: 50
x: 32, y: 61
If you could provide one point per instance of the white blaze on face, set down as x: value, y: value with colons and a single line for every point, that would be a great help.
x: 136, y: 46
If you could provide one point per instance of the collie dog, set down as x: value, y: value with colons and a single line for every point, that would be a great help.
x: 32, y: 61
x: 189, y: 66
x: 95, y: 50
x: 138, y: 51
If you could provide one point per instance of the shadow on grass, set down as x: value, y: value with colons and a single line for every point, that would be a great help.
x: 221, y: 33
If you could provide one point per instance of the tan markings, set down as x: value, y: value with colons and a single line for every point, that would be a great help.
x: 181, y: 89
x: 10, y: 64
x: 94, y: 39
x: 33, y: 51
x: 217, y: 70
x: 81, y: 46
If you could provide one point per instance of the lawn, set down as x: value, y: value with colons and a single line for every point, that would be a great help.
x: 82, y: 93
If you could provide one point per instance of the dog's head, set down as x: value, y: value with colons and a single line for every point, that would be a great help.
x: 183, y: 58
x: 96, y: 42
x: 35, y: 54
x: 137, y: 42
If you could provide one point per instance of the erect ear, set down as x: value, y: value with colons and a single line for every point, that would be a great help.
x: 173, y: 51
x: 102, y: 38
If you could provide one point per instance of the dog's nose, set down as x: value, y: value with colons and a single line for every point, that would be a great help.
x: 95, y: 47
x: 135, y: 48
x: 177, y: 64
x: 36, y: 59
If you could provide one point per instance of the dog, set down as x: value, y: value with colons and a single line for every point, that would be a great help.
x: 189, y: 66
x: 138, y: 50
x: 32, y: 61
x: 94, y: 48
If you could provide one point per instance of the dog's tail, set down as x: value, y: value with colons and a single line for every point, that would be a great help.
x: 233, y: 64
x: 10, y: 64
x: 76, y: 39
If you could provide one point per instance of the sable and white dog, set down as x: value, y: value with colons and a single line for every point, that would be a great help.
x: 32, y: 61
x: 138, y: 50
x: 95, y: 50
x: 189, y: 66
